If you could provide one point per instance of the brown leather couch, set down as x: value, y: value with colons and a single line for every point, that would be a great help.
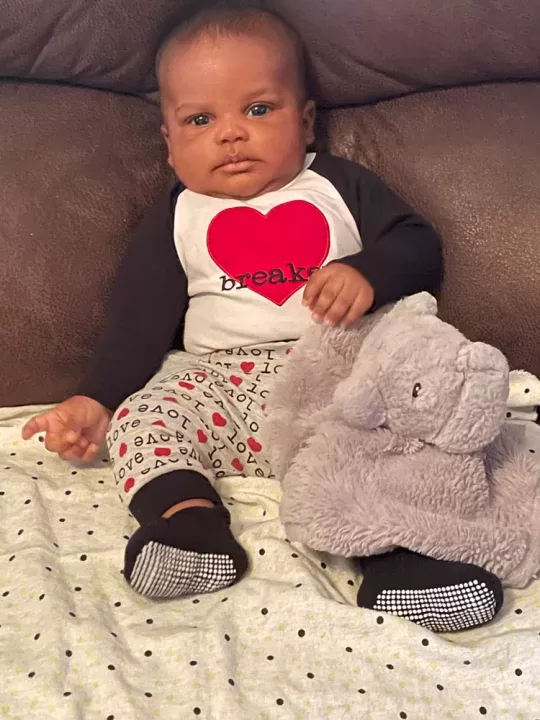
x: 440, y: 98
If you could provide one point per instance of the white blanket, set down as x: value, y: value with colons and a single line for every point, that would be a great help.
x: 287, y: 642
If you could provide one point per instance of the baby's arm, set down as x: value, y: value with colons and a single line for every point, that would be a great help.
x: 148, y: 302
x: 401, y: 253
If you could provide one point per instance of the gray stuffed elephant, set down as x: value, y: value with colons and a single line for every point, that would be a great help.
x: 404, y: 444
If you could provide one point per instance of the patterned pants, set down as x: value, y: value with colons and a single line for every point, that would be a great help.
x: 199, y: 419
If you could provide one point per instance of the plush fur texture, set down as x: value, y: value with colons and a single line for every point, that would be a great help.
x: 524, y: 398
x: 392, y: 434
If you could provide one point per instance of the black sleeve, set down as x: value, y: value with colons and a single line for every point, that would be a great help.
x: 147, y: 306
x: 401, y: 252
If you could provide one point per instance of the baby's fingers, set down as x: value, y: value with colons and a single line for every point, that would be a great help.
x: 74, y: 452
x: 326, y: 298
x: 74, y: 437
x: 358, y: 309
x: 35, y: 425
x: 90, y: 453
x: 314, y: 287
x: 82, y: 442
x: 337, y: 312
x: 58, y: 442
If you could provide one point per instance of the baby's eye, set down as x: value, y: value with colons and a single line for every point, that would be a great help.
x: 259, y: 110
x: 416, y: 390
x: 199, y: 120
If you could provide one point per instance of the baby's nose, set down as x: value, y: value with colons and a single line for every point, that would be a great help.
x: 232, y: 130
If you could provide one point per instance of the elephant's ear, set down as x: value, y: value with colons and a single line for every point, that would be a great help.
x: 420, y: 304
x: 479, y: 414
x: 358, y: 399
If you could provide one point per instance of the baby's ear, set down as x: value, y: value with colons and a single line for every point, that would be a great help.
x: 308, y: 121
x: 359, y: 401
x: 165, y: 136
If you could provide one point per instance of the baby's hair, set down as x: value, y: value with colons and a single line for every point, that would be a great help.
x: 230, y: 18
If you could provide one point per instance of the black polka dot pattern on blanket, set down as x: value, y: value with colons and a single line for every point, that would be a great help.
x: 287, y: 642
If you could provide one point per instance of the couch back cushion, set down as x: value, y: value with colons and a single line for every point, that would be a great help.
x: 362, y: 49
x: 77, y: 169
x: 469, y: 160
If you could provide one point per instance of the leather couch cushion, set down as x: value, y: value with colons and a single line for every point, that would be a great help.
x: 365, y: 50
x: 362, y: 49
x: 77, y: 169
x: 469, y: 159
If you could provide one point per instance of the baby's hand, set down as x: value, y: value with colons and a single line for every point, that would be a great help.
x: 338, y: 295
x: 74, y: 429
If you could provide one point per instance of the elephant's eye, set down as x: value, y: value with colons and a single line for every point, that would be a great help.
x: 416, y: 390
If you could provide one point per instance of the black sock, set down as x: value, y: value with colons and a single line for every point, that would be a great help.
x: 191, y: 552
x: 441, y: 596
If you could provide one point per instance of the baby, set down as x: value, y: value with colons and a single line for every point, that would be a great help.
x: 258, y: 237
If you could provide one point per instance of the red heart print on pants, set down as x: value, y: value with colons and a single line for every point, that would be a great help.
x: 237, y: 465
x: 247, y: 367
x: 202, y: 437
x: 130, y: 482
x: 186, y: 385
x: 122, y: 414
x: 254, y: 445
x: 123, y: 450
x: 218, y: 420
x: 236, y: 380
x: 162, y: 452
x: 244, y: 242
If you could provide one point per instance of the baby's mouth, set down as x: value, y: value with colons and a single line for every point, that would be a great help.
x: 236, y: 163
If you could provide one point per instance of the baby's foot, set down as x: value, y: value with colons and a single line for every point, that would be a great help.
x: 189, y: 553
x: 441, y: 596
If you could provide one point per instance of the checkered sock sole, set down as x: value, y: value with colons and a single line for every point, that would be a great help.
x: 191, y: 553
x: 161, y: 571
x: 444, y: 609
x: 438, y: 595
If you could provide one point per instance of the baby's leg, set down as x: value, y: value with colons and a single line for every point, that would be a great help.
x: 168, y: 444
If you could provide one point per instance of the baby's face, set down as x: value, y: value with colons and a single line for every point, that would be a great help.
x: 235, y: 121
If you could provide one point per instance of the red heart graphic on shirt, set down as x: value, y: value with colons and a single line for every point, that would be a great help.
x: 159, y: 422
x: 201, y: 374
x: 237, y: 465
x: 122, y: 414
x: 130, y: 482
x: 202, y: 437
x: 162, y: 452
x: 218, y: 420
x: 270, y: 254
x: 186, y: 385
x: 247, y: 367
x: 236, y: 380
x: 170, y: 399
x: 123, y: 450
x: 254, y: 445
